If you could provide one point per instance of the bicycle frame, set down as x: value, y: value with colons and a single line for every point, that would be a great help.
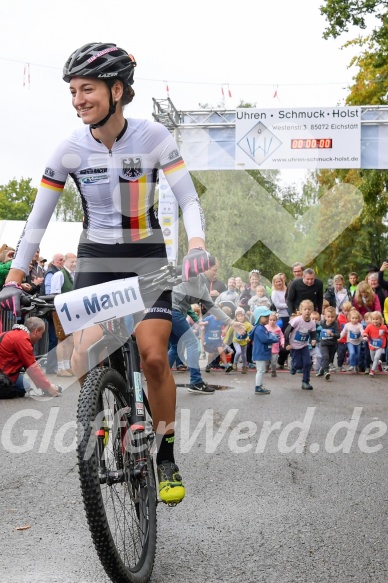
x: 124, y: 357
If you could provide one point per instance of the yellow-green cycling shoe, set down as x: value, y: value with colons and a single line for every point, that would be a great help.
x: 171, y: 489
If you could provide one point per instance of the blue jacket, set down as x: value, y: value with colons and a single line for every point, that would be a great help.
x: 262, y: 342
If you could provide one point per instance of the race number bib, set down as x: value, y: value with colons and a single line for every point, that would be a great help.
x: 85, y: 307
x: 376, y: 342
x: 301, y: 336
x: 325, y: 333
x: 354, y: 335
x: 214, y: 335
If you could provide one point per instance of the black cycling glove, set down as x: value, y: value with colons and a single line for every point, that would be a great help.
x: 195, y: 262
x: 10, y: 298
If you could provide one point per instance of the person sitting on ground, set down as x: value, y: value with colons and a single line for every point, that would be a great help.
x: 16, y: 353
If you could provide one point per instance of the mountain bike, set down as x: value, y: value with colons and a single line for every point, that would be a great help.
x: 116, y: 445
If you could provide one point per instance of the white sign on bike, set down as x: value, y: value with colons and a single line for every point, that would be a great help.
x: 92, y: 305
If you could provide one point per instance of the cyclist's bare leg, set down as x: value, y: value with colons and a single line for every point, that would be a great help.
x: 82, y: 340
x: 152, y: 339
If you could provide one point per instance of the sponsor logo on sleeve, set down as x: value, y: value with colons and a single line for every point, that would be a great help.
x: 174, y: 154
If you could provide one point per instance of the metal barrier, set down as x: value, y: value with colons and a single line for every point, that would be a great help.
x: 7, y: 321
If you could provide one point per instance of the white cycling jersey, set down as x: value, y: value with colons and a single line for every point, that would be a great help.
x: 117, y: 187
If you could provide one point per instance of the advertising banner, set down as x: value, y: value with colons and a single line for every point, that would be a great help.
x: 168, y: 215
x: 307, y: 138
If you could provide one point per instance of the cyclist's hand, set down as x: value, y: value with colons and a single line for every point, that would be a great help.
x: 10, y: 298
x: 195, y: 262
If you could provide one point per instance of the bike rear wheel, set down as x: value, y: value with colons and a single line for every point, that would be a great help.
x: 120, y: 504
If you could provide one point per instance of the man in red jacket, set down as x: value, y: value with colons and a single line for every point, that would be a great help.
x: 16, y: 352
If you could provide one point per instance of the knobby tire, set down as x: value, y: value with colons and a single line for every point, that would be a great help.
x: 121, y: 516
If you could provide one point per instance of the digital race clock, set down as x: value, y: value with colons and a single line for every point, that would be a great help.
x: 311, y: 143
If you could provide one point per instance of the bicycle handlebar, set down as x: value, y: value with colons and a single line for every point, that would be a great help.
x: 166, y: 277
x: 170, y: 274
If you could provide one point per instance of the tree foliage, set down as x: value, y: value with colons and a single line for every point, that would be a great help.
x: 341, y: 14
x: 365, y: 241
x: 250, y: 221
x: 16, y: 199
x: 370, y: 85
x: 69, y: 207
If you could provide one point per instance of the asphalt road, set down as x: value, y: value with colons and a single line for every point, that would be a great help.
x: 266, y: 501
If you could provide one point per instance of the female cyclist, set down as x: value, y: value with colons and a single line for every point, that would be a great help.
x: 114, y: 163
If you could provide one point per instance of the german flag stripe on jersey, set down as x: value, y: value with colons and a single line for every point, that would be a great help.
x: 174, y: 166
x: 52, y: 184
x: 138, y: 209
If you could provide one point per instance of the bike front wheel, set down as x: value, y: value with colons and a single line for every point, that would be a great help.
x: 120, y: 502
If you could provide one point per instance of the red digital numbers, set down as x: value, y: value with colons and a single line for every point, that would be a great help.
x: 311, y: 143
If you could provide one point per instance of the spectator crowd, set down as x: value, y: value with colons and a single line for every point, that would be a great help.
x: 268, y: 325
x: 318, y: 328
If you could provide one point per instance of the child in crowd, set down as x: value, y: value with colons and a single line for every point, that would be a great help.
x: 274, y: 327
x: 262, y: 341
x: 325, y: 304
x: 385, y: 314
x: 353, y: 283
x: 329, y: 335
x: 297, y: 335
x: 342, y: 347
x: 241, y: 341
x: 195, y: 321
x: 315, y: 351
x: 213, y: 343
x: 226, y: 335
x: 364, y: 360
x: 353, y: 331
x: 259, y: 299
x: 376, y: 334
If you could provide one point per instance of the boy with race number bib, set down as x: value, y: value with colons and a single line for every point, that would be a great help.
x: 299, y: 331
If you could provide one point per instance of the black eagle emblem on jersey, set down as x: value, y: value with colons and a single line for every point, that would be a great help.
x: 132, y: 168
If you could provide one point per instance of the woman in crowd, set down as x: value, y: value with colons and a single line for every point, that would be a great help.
x: 365, y: 300
x: 338, y: 294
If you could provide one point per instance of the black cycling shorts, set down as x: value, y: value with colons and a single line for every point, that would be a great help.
x: 98, y: 263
